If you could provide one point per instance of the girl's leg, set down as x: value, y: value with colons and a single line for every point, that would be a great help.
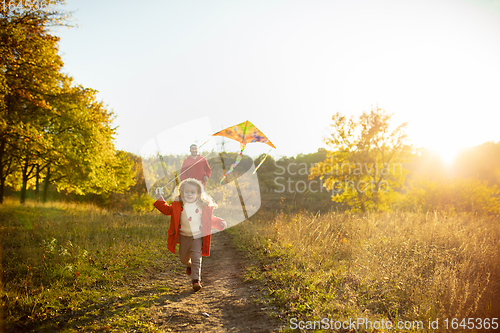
x: 196, y: 259
x: 185, y: 249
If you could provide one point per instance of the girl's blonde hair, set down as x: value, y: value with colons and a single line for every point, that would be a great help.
x: 203, y: 198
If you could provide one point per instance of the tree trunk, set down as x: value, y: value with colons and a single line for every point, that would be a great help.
x: 2, y: 179
x: 25, y: 182
x: 2, y: 186
x: 46, y: 183
x: 37, y: 187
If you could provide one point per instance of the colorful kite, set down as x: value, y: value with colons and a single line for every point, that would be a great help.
x: 244, y: 133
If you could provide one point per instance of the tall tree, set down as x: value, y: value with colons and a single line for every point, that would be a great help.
x: 82, y: 157
x: 50, y: 127
x: 364, y: 166
x: 29, y: 76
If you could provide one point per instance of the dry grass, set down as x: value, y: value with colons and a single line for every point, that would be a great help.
x: 391, y: 266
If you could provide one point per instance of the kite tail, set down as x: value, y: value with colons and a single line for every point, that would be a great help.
x: 238, y: 159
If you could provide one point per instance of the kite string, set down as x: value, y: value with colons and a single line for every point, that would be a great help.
x: 258, y: 166
x: 238, y: 159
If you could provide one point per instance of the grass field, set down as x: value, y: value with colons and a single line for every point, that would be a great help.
x: 76, y: 267
x: 398, y: 267
x: 60, y: 259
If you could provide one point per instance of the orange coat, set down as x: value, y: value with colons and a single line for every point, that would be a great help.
x: 208, y: 221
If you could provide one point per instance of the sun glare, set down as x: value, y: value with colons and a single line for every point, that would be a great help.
x: 447, y: 155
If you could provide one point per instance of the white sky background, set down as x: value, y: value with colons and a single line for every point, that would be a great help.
x: 288, y: 66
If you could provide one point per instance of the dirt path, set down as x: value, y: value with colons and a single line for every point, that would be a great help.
x: 166, y: 302
x: 225, y: 304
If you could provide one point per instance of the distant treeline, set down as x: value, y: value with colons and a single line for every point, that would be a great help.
x: 470, y: 184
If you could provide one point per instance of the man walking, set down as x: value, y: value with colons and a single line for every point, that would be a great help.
x: 196, y: 166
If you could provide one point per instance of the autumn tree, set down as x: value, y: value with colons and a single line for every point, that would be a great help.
x: 364, y: 164
x: 83, y: 158
x: 51, y: 128
x: 30, y: 74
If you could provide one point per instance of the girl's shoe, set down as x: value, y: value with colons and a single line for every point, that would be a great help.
x: 188, y: 271
x: 196, y: 285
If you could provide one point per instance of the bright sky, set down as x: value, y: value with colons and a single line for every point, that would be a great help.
x: 288, y: 66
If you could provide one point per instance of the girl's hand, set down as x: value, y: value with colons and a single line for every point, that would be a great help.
x: 159, y: 197
x: 223, y: 224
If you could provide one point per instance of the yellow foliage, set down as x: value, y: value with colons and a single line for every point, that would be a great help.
x: 461, y: 195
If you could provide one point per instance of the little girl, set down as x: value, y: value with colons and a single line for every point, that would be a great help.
x: 191, y: 224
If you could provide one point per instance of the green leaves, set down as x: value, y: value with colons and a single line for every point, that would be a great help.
x: 49, y: 123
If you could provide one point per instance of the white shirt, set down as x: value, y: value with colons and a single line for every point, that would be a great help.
x: 191, y: 220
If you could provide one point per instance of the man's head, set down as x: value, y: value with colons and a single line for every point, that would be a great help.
x: 194, y: 150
